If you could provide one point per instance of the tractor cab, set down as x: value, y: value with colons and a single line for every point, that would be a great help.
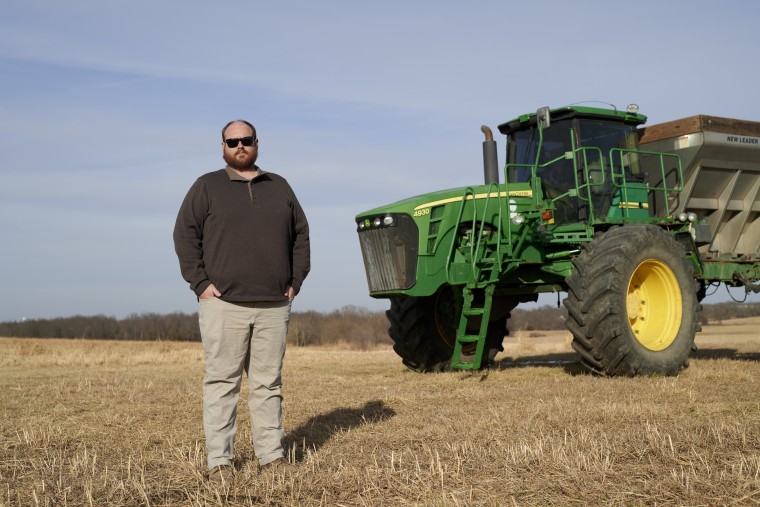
x: 577, y: 157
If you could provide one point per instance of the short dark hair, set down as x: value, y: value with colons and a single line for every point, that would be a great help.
x: 253, y: 129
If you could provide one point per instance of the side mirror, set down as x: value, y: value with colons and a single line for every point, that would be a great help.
x: 543, y: 117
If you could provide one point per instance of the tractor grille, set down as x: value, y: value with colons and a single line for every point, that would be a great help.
x: 390, y: 255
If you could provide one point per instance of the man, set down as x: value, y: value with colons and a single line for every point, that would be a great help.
x: 243, y: 245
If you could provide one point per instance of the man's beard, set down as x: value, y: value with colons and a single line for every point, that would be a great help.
x: 241, y: 164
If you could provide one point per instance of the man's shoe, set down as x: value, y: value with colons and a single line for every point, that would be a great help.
x: 280, y: 464
x: 221, y: 475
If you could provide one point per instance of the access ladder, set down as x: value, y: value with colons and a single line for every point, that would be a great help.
x: 477, y: 293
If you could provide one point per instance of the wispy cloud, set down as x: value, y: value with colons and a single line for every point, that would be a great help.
x: 108, y: 112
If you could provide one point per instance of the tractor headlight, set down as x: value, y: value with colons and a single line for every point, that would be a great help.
x: 518, y: 219
x: 682, y: 217
x: 377, y: 222
x: 692, y: 217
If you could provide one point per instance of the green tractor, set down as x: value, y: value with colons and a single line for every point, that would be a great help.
x: 632, y: 223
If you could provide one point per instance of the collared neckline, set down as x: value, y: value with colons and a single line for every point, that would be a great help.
x: 234, y: 176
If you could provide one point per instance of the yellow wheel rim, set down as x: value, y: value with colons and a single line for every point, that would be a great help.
x: 654, y: 305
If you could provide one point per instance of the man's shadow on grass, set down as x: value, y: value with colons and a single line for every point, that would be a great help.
x: 315, y: 432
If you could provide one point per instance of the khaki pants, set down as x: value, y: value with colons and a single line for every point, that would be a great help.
x: 238, y: 337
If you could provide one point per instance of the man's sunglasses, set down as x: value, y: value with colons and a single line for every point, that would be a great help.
x: 247, y: 141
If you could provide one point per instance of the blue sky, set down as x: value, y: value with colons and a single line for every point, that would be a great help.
x: 110, y: 110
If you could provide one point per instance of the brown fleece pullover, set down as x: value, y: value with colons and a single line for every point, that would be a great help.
x: 249, y: 238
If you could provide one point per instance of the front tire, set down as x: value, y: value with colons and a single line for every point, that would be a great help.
x: 423, y: 329
x: 632, y: 303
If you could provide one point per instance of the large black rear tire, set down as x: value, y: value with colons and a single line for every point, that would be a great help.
x: 423, y: 329
x: 632, y: 303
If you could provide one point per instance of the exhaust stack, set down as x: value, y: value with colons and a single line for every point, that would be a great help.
x: 490, y: 159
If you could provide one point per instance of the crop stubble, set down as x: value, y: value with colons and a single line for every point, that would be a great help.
x: 119, y: 423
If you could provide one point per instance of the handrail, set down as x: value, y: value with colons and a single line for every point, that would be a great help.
x: 619, y: 179
x: 475, y: 256
x: 477, y: 245
x: 467, y: 191
x: 510, y: 249
x: 583, y: 181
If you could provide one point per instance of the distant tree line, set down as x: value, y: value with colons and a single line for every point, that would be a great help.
x: 718, y: 312
x: 352, y: 326
x: 552, y: 318
x: 146, y: 326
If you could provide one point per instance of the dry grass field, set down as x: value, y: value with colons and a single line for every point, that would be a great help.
x: 119, y: 423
